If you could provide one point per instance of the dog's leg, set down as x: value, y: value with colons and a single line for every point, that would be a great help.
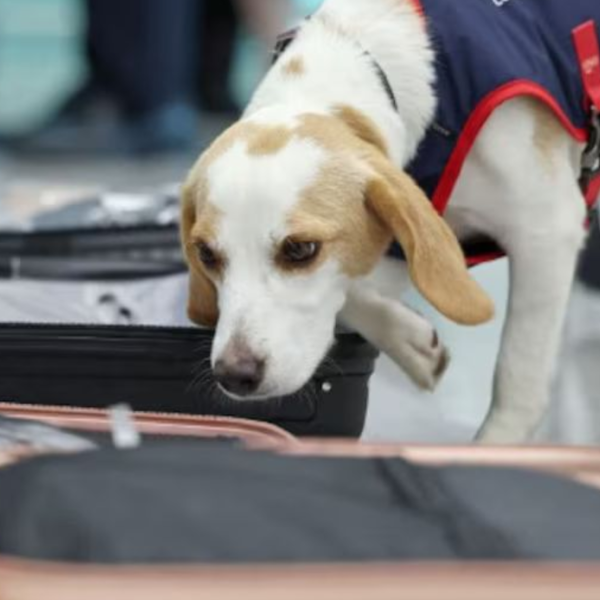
x: 406, y: 337
x: 539, y: 221
x: 541, y: 274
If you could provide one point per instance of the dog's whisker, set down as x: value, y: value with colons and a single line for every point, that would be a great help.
x: 202, y: 347
x: 201, y: 374
x: 205, y: 378
x: 201, y: 366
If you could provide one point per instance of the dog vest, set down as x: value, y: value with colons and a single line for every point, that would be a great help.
x: 487, y: 53
x: 491, y: 51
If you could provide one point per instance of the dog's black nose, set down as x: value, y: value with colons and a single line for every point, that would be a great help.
x: 242, y: 376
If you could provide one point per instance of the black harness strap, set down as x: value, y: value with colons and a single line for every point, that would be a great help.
x: 590, y: 162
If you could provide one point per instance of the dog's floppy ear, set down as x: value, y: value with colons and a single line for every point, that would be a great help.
x: 435, y: 259
x: 202, y: 298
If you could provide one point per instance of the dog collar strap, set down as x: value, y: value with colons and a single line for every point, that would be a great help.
x: 387, y: 86
x: 283, y: 43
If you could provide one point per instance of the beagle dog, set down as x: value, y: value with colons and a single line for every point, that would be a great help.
x: 294, y: 218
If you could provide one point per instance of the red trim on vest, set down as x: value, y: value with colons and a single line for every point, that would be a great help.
x: 482, y: 259
x: 418, y: 7
x: 586, y: 44
x: 478, y: 119
x: 593, y: 192
x: 588, y: 51
x: 585, y: 38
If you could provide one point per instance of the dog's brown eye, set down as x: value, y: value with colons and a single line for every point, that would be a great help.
x: 208, y: 257
x: 299, y: 253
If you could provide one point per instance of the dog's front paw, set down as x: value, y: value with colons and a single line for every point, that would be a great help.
x: 420, y: 354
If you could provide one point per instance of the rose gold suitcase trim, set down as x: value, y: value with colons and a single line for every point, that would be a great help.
x: 35, y: 581
x: 153, y: 423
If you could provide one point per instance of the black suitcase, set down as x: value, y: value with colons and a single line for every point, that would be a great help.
x: 154, y: 369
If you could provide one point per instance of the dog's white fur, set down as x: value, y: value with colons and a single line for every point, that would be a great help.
x: 253, y: 293
x: 526, y: 199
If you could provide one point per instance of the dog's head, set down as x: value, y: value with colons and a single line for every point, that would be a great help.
x: 278, y: 220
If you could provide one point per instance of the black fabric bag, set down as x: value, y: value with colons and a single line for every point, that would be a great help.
x: 105, y: 238
x: 94, y: 254
x: 165, y: 370
x: 181, y: 501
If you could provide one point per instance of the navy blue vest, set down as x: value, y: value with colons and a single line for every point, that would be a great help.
x: 487, y: 52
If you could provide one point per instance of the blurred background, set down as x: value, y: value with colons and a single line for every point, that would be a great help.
x: 122, y: 95
x: 125, y: 91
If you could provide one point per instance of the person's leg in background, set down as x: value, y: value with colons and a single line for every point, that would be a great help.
x: 144, y: 52
x: 141, y: 55
x: 219, y: 27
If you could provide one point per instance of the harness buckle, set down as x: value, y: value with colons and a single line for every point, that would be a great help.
x: 590, y: 161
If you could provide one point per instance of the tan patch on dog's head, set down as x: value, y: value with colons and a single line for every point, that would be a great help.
x: 218, y: 148
x: 294, y: 67
x: 202, y: 297
x: 347, y: 129
x: 362, y: 126
x: 206, y: 226
x: 333, y: 213
x: 263, y: 141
